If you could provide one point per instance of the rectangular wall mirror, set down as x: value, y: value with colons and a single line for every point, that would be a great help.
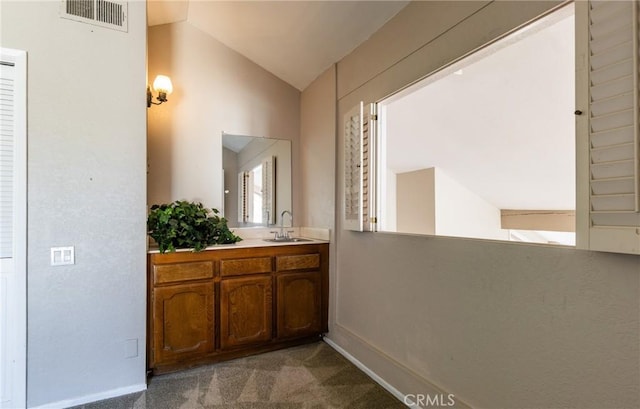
x: 257, y: 179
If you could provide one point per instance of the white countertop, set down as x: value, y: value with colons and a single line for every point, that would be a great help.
x: 255, y: 238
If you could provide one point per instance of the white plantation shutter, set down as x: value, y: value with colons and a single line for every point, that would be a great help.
x: 613, y: 153
x: 359, y: 168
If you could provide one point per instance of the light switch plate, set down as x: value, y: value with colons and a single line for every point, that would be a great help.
x: 62, y: 256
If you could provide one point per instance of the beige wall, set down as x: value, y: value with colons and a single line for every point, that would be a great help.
x: 86, y: 188
x: 215, y: 90
x: 496, y: 324
x: 318, y: 151
x: 416, y: 201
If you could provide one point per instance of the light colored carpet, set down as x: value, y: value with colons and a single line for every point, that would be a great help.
x: 312, y: 376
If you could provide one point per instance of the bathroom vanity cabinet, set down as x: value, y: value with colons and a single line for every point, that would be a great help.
x: 229, y: 302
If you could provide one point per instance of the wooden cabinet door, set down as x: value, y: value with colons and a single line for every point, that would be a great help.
x: 298, y: 304
x: 245, y: 311
x: 183, y: 322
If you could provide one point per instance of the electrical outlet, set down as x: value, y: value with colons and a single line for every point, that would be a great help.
x: 62, y: 256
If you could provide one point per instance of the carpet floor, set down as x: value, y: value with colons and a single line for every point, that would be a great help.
x: 312, y: 376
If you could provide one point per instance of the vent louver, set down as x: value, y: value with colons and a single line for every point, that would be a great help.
x: 102, y: 13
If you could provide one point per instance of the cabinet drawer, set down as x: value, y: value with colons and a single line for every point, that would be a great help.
x: 169, y: 273
x: 304, y: 261
x: 255, y: 265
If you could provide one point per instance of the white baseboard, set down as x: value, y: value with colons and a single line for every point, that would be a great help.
x: 399, y: 395
x: 406, y: 385
x: 113, y: 393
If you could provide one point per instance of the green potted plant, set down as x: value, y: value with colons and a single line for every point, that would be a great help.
x: 184, y: 224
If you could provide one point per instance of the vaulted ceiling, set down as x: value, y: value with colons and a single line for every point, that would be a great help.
x: 298, y: 40
x: 294, y: 40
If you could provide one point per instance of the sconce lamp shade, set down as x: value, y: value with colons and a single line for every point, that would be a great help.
x: 162, y: 84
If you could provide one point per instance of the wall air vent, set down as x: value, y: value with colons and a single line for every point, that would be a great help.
x: 102, y: 13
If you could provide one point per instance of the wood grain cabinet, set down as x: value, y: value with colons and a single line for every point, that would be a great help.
x: 245, y: 311
x: 183, y: 321
x: 299, y: 285
x: 299, y: 309
x: 229, y: 302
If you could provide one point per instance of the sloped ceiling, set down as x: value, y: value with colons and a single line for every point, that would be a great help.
x: 294, y: 40
x: 525, y: 160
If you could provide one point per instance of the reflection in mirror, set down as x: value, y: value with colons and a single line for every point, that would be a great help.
x: 257, y: 179
x: 255, y: 193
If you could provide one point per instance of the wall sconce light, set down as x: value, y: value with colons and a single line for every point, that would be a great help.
x: 162, y: 85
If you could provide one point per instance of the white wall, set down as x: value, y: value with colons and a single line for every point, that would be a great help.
x: 496, y: 324
x: 86, y: 188
x: 215, y: 90
x: 460, y: 212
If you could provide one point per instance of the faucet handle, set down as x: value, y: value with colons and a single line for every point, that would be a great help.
x: 287, y: 233
x: 275, y: 234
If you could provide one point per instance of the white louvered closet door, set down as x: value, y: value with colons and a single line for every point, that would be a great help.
x: 13, y: 266
x: 614, y: 181
x: 359, y: 168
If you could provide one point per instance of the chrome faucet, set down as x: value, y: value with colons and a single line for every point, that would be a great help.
x: 283, y: 234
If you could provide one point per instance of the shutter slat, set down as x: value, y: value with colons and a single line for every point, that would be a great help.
x: 612, y: 136
x: 620, y: 35
x: 611, y: 56
x: 613, y: 186
x: 613, y: 219
x: 613, y: 153
x: 609, y: 170
x: 607, y: 106
x: 617, y: 202
x: 611, y: 72
x: 612, y: 88
x: 612, y: 121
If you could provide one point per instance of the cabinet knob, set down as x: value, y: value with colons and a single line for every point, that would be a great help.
x: 578, y: 112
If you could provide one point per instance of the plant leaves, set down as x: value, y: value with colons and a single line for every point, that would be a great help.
x: 184, y: 224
